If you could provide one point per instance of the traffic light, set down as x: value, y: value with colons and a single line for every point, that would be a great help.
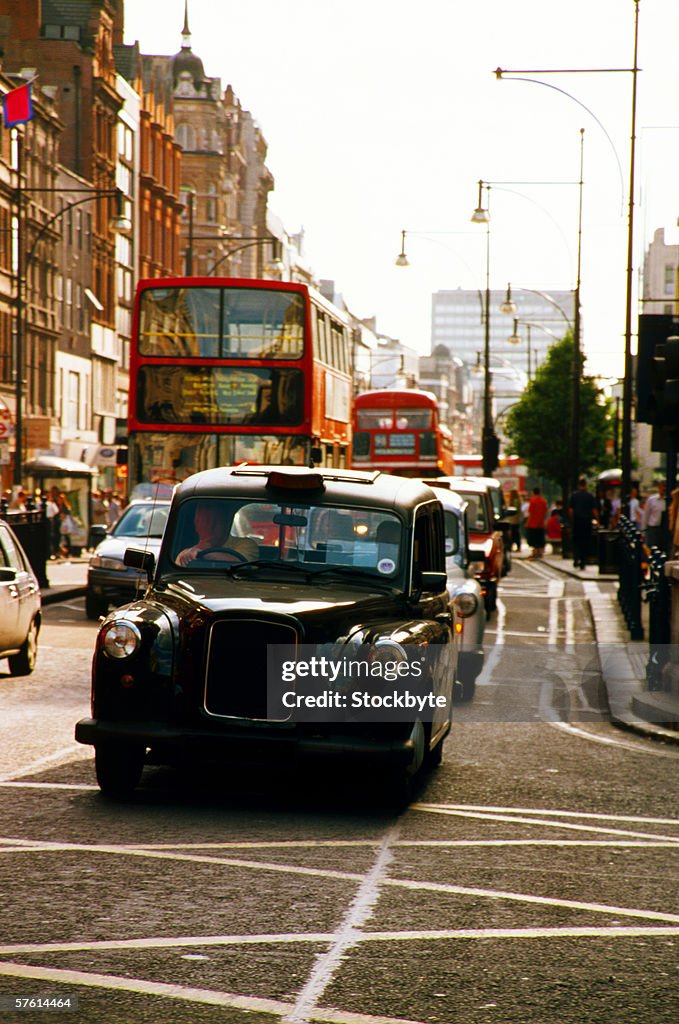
x: 663, y: 403
x: 654, y: 330
x: 491, y: 453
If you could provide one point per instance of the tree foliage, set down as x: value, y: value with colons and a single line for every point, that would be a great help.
x: 538, y: 427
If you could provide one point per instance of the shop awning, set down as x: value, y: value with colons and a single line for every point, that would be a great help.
x: 53, y: 465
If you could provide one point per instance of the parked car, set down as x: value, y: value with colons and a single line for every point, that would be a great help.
x: 109, y: 580
x: 501, y: 511
x: 258, y: 559
x: 486, y: 545
x: 20, y: 605
x: 464, y: 591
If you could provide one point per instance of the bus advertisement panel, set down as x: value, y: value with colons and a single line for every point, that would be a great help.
x: 229, y: 370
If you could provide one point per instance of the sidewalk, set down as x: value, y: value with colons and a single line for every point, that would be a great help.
x: 623, y: 661
x: 67, y: 578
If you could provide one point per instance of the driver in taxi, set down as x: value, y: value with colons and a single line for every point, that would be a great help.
x: 212, y: 531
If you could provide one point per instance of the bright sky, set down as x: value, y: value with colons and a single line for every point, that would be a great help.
x: 382, y: 115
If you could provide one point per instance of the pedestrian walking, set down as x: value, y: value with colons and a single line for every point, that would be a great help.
x: 635, y: 507
x: 66, y: 523
x: 582, y: 512
x: 654, y: 517
x: 535, y: 523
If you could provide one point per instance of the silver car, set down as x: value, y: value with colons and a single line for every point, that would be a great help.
x: 464, y: 590
x: 109, y: 580
x: 20, y: 606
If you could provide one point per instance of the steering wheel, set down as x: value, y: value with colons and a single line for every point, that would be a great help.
x: 206, y: 552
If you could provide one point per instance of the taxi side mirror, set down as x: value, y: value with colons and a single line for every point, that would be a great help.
x: 143, y: 560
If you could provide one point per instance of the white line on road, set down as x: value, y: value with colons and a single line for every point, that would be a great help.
x: 638, y: 748
x: 542, y: 822
x: 545, y: 811
x: 399, y: 883
x: 184, y: 992
x: 74, y: 752
x: 345, y: 938
x: 312, y: 938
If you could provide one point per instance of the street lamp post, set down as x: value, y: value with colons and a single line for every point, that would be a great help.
x: 626, y: 453
x: 248, y: 242
x: 275, y: 251
x: 490, y: 445
x: 516, y: 339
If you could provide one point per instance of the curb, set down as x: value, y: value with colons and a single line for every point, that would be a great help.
x: 624, y: 717
x: 53, y: 595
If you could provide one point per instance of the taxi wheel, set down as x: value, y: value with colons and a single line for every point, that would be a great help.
x: 491, y: 598
x: 118, y: 767
x: 23, y: 663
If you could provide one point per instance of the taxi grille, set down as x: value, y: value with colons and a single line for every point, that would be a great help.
x: 236, y: 665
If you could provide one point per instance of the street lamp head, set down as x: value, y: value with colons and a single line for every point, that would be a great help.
x: 508, y: 306
x: 402, y: 259
x: 120, y: 222
x: 481, y: 214
x: 515, y: 338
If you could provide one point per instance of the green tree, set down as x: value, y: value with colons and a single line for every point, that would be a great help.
x: 538, y: 426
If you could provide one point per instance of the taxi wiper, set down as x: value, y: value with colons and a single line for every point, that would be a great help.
x: 267, y: 563
x: 351, y: 570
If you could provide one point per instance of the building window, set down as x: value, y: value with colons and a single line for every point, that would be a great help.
x: 670, y: 276
x: 186, y: 136
x: 72, y: 400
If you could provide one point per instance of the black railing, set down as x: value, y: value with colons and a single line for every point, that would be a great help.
x: 32, y: 530
x: 658, y: 595
x: 631, y: 575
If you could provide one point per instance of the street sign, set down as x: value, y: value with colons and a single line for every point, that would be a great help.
x: 6, y: 423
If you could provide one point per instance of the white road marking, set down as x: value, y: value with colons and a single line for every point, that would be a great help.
x: 345, y: 937
x: 420, y: 886
x: 655, y: 751
x: 522, y: 897
x: 312, y: 938
x: 554, y: 813
x: 493, y: 816
x: 570, y: 623
x: 66, y: 754
x: 195, y: 995
x: 490, y: 661
x: 48, y: 785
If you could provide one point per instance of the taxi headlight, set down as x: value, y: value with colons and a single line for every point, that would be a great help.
x: 121, y: 639
x: 101, y: 562
x: 387, y: 651
x: 465, y: 604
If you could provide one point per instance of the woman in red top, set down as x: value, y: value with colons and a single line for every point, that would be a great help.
x: 535, y: 523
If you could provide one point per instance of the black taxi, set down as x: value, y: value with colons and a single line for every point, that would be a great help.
x: 291, y: 614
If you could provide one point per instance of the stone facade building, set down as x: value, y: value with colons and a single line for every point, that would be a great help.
x: 132, y: 166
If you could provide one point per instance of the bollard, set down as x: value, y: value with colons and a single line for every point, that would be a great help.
x: 631, y: 577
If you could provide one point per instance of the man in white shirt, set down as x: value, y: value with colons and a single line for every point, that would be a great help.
x: 654, y: 517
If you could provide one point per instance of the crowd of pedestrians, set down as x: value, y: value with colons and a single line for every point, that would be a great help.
x: 64, y: 521
x: 540, y: 523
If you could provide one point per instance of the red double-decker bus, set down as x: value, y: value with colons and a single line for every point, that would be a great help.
x: 231, y: 370
x: 398, y: 431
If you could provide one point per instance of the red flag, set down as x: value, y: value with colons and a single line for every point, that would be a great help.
x: 17, y: 106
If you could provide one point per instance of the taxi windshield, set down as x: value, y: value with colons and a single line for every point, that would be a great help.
x: 212, y: 533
